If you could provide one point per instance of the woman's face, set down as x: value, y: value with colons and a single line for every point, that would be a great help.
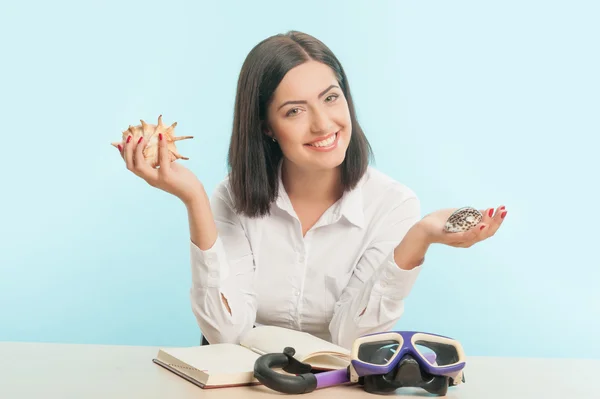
x: 309, y: 117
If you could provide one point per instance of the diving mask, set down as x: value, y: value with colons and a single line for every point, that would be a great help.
x: 381, y: 362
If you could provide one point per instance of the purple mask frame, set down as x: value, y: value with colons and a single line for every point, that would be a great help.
x: 407, y: 348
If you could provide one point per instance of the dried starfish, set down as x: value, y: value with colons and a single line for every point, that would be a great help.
x: 150, y: 133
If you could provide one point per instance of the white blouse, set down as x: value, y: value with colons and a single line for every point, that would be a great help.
x: 320, y: 283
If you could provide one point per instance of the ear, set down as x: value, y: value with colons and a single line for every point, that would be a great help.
x: 270, y: 136
x: 267, y: 131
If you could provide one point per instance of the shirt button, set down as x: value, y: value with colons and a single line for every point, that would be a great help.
x: 296, y: 293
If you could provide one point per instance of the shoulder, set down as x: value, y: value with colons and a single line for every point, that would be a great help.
x: 378, y: 187
x: 222, y: 193
x: 387, y: 201
x: 223, y: 188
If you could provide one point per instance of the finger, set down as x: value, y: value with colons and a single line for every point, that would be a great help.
x: 483, y: 227
x: 139, y: 162
x: 141, y: 167
x: 119, y: 147
x: 487, y: 215
x: 481, y: 232
x: 164, y: 157
x: 474, y: 235
x: 497, y: 220
x: 138, y: 155
x: 138, y: 147
x: 128, y: 151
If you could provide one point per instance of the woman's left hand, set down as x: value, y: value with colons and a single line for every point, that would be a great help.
x: 433, y: 226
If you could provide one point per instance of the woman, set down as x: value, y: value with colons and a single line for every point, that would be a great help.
x: 303, y: 233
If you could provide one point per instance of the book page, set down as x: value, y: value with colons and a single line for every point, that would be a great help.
x: 216, y: 359
x: 327, y: 361
x: 271, y: 339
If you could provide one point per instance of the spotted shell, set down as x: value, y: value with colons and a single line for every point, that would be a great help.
x: 463, y: 219
x: 150, y: 133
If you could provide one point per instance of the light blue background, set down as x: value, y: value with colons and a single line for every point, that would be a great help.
x: 467, y: 102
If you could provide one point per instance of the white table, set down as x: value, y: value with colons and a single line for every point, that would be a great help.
x: 38, y: 370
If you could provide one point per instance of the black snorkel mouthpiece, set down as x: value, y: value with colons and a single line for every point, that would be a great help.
x: 302, y: 382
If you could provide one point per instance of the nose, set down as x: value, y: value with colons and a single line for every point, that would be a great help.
x: 321, y: 122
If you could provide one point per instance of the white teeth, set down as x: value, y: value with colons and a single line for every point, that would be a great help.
x: 325, y: 143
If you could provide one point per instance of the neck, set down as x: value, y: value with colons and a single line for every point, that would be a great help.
x: 320, y: 185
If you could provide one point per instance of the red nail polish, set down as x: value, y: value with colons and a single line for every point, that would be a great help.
x: 119, y: 147
x: 502, y: 208
x: 491, y: 212
x: 503, y: 214
x: 140, y: 140
x: 128, y: 139
x: 160, y: 136
x: 482, y: 227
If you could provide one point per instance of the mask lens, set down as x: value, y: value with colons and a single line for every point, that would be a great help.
x: 445, y: 354
x: 379, y: 353
x: 428, y: 354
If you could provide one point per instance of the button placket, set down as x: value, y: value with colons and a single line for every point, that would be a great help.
x: 300, y: 271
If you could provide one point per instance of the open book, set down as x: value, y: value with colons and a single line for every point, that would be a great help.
x: 223, y: 365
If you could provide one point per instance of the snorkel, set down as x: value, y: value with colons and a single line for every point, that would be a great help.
x: 381, y: 363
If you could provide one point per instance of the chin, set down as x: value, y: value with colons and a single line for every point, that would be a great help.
x: 321, y: 166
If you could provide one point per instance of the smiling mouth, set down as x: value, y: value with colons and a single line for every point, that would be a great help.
x: 328, y: 142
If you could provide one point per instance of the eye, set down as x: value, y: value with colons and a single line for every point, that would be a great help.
x: 332, y: 96
x: 291, y: 112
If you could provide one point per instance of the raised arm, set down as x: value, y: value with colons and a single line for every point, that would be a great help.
x: 222, y: 263
x: 221, y: 260
x: 373, y: 300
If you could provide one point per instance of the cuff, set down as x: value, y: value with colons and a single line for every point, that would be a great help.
x: 394, y: 282
x: 209, y: 267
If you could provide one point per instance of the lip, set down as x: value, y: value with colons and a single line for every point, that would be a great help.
x: 323, y: 138
x: 325, y: 149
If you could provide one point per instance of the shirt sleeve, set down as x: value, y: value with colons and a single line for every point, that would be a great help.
x: 373, y: 300
x: 227, y: 268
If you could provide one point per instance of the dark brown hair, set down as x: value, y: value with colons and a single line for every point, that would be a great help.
x: 253, y: 157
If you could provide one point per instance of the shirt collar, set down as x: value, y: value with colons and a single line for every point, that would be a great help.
x: 350, y: 206
x: 283, y: 200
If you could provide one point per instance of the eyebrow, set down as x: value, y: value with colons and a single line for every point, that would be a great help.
x: 321, y: 94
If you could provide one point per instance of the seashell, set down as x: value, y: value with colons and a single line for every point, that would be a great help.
x: 463, y: 219
x: 150, y: 133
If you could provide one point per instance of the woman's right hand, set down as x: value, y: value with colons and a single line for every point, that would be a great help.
x: 170, y: 176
